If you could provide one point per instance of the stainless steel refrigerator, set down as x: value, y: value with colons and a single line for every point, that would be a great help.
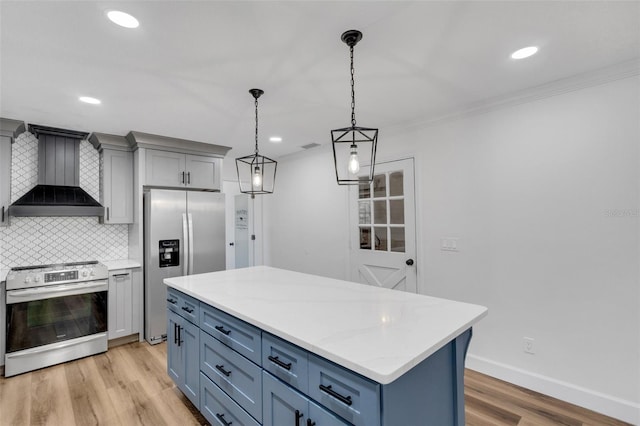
x: 184, y: 234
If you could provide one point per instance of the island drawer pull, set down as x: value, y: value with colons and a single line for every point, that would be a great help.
x: 222, y: 330
x: 310, y: 423
x: 298, y: 415
x: 172, y: 301
x: 221, y: 418
x: 344, y: 399
x: 276, y: 360
x: 221, y: 369
x: 184, y: 308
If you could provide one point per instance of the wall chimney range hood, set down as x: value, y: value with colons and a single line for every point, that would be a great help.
x: 58, y: 192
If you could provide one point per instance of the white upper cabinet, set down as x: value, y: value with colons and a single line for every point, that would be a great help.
x: 9, y: 130
x: 179, y: 163
x: 173, y: 169
x: 116, y: 177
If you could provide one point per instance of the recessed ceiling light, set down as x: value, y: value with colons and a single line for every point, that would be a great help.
x: 525, y: 52
x: 89, y: 100
x: 123, y: 19
x: 275, y: 139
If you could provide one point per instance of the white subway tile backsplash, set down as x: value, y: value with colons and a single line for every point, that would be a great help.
x: 43, y: 240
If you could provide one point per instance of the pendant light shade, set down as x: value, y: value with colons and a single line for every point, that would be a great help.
x: 354, y: 145
x: 256, y: 173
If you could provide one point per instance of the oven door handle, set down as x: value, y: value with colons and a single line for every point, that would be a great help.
x: 48, y: 292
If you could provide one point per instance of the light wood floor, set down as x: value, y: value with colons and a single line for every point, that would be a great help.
x: 128, y: 385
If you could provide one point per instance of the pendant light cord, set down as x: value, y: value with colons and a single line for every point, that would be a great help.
x: 353, y: 92
x: 256, y: 126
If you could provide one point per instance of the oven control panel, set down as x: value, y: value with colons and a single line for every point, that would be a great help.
x: 35, y: 276
x: 53, y: 277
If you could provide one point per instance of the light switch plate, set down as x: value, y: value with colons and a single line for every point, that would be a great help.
x: 449, y: 244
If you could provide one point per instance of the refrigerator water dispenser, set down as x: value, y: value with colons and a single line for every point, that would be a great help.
x: 169, y: 253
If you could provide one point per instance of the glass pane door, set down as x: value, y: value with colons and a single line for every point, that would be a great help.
x: 381, y: 219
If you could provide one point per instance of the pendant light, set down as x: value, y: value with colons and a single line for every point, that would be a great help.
x: 256, y: 173
x: 353, y: 145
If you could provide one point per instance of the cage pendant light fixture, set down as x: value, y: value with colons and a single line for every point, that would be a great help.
x: 256, y: 173
x: 354, y: 145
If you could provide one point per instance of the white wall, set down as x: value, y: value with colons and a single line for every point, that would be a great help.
x: 306, y: 216
x: 544, y: 198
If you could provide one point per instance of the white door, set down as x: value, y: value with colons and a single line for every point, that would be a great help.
x: 383, y: 228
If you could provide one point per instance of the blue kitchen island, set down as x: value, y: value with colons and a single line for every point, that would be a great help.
x: 266, y: 346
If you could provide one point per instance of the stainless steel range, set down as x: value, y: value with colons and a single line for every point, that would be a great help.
x: 55, y: 313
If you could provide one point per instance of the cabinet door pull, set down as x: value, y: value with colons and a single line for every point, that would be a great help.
x: 175, y: 333
x: 221, y: 418
x: 172, y: 301
x: 298, y: 415
x: 310, y: 423
x: 189, y: 310
x: 107, y: 213
x: 122, y: 276
x: 344, y: 399
x: 222, y: 330
x: 221, y: 369
x: 189, y: 178
x: 276, y: 360
x: 180, y: 341
x: 2, y: 213
x: 182, y: 177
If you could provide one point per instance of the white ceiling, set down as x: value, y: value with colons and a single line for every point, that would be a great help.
x: 186, y: 71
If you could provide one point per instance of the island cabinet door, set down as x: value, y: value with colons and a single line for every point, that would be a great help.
x: 283, y: 406
x: 190, y: 346
x: 174, y: 354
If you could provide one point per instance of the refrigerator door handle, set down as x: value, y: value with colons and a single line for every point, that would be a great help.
x: 185, y: 248
x: 190, y: 221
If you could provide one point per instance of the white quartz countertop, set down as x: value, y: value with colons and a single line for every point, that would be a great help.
x: 3, y: 274
x: 113, y: 265
x: 378, y: 333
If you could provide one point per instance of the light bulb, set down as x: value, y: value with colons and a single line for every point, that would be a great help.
x: 354, y: 163
x: 257, y: 177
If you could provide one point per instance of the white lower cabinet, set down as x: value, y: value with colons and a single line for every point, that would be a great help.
x: 120, y: 323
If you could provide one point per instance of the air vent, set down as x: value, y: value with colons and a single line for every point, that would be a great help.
x: 310, y: 145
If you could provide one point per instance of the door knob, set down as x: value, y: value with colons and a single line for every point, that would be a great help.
x: 409, y: 262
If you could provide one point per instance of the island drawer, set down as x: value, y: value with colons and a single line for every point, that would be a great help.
x: 173, y: 300
x: 351, y: 396
x: 183, y: 305
x: 218, y: 408
x: 238, y: 335
x: 237, y: 376
x: 287, y: 362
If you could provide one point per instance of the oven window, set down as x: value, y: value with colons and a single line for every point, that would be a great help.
x: 40, y: 322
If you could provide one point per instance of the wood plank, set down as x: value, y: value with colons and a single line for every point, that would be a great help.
x: 50, y: 398
x: 15, y: 409
x: 91, y: 405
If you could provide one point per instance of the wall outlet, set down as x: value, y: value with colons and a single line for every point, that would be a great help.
x: 527, y: 345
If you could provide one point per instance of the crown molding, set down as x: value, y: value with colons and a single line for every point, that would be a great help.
x: 558, y: 87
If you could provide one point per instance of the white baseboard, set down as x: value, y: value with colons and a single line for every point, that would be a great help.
x: 611, y: 406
